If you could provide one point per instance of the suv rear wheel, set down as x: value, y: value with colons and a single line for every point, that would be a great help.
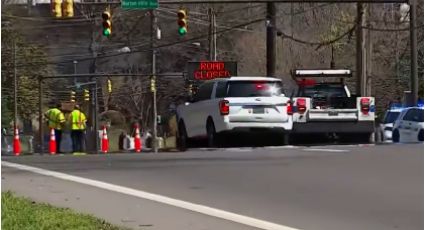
x: 213, y: 139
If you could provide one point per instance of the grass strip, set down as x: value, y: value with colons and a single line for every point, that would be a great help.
x: 24, y: 214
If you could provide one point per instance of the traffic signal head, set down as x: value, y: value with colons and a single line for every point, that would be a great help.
x: 68, y: 8
x: 182, y: 21
x: 107, y: 24
x: 56, y: 7
x: 153, y: 85
x: 109, y: 86
x: 86, y: 95
x: 73, y: 96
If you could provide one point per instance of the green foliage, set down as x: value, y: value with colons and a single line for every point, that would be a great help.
x: 19, y: 213
x: 31, y: 62
x: 338, y: 28
x: 404, y: 65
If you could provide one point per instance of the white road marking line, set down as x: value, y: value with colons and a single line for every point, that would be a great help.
x: 326, y: 150
x: 239, y: 149
x: 157, y: 198
x: 282, y: 147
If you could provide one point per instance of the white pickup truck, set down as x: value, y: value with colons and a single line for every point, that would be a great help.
x: 223, y: 106
x: 328, y: 107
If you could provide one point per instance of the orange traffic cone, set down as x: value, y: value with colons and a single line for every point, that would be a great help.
x: 52, y: 142
x: 137, y: 141
x: 16, y: 143
x: 105, y: 141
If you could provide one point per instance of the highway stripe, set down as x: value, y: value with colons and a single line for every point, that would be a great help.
x: 253, y: 222
x: 326, y: 150
x: 239, y: 149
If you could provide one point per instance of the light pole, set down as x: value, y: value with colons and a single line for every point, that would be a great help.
x: 75, y: 71
x: 15, y: 88
x: 154, y: 35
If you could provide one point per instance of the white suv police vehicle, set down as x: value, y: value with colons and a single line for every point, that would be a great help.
x: 386, y: 127
x: 409, y: 126
x: 234, y: 104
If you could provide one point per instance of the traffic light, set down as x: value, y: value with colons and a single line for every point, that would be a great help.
x: 56, y: 7
x: 73, y: 96
x: 153, y: 85
x: 68, y: 8
x: 109, y: 86
x: 190, y: 89
x: 107, y: 24
x: 86, y: 95
x: 182, y: 22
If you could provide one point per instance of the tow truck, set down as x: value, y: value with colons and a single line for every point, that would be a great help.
x: 323, y: 104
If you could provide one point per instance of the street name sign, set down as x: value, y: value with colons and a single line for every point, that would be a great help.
x: 139, y: 4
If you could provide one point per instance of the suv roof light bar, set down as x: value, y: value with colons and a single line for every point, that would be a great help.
x: 322, y: 73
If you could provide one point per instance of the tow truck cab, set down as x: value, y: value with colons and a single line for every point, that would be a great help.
x: 324, y: 104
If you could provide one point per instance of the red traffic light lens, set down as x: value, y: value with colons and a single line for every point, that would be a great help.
x: 182, y: 23
x: 106, y: 24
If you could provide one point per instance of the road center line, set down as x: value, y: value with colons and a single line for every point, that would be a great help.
x: 155, y: 197
x: 326, y: 150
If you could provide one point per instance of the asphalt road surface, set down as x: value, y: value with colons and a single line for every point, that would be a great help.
x: 294, y: 187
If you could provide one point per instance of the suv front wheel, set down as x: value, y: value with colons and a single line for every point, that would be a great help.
x: 182, y: 140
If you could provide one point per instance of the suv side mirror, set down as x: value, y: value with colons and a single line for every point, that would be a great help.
x: 190, y: 99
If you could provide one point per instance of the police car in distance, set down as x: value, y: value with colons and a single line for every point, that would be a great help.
x: 409, y: 125
x: 386, y: 127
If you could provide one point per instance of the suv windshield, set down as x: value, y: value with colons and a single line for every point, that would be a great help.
x: 391, y: 117
x: 254, y: 88
x: 323, y: 91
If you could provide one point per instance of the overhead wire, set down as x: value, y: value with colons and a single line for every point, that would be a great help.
x: 156, y: 47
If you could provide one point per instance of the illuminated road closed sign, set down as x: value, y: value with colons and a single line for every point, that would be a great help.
x: 208, y: 70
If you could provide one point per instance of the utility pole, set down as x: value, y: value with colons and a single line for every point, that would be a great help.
x: 360, y: 51
x: 153, y: 79
x: 96, y: 120
x: 271, y: 40
x: 40, y: 113
x: 213, y: 35
x: 15, y: 88
x: 211, y: 32
x: 413, y: 54
x: 369, y: 53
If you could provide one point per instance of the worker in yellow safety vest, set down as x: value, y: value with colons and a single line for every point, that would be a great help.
x: 78, y: 126
x: 56, y: 121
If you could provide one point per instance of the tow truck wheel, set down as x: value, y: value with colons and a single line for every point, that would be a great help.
x: 182, y: 140
x: 285, y: 139
x: 359, y: 138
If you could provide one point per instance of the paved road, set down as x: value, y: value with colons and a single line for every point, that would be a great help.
x: 325, y: 187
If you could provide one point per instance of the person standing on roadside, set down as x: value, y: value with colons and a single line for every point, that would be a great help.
x: 78, y: 126
x: 56, y: 121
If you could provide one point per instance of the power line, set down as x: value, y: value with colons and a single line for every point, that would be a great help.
x: 149, y: 49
